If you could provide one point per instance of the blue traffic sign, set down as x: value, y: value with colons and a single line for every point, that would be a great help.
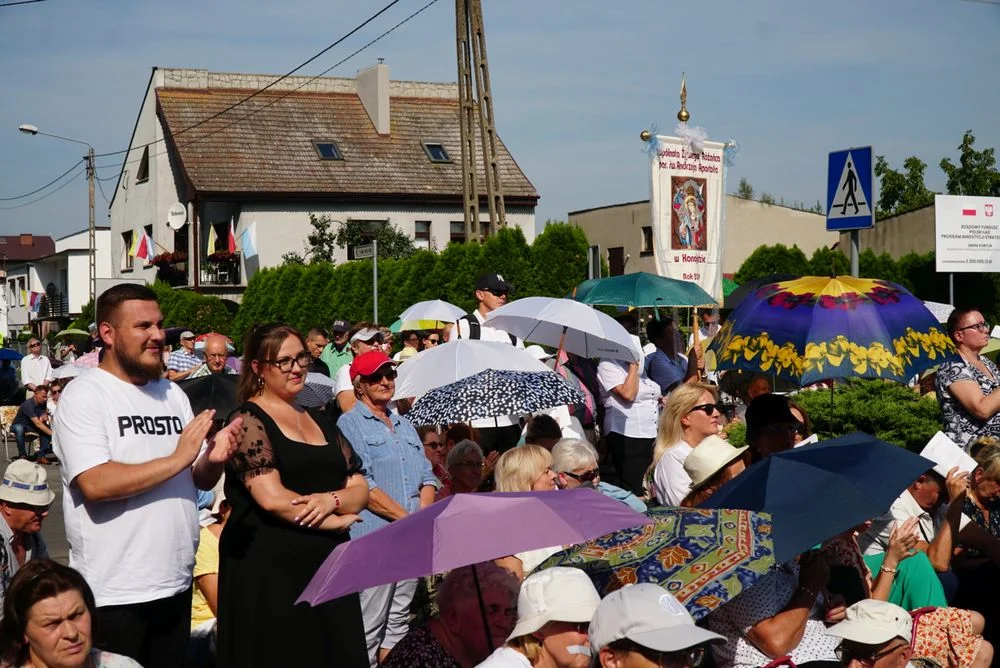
x: 849, y: 193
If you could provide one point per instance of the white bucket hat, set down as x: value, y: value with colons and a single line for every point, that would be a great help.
x: 871, y: 622
x: 557, y: 594
x: 26, y: 482
x: 709, y: 457
x: 649, y: 616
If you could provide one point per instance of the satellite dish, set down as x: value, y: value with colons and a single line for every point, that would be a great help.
x: 176, y: 216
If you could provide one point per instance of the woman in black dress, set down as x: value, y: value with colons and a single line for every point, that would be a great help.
x: 294, y: 496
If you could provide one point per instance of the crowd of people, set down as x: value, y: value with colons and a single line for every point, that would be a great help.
x: 192, y: 536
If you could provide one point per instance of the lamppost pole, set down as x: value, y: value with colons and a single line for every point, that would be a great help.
x: 91, y: 228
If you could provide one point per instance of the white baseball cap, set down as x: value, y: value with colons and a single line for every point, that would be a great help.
x: 709, y: 457
x: 649, y: 616
x: 871, y: 622
x: 557, y: 594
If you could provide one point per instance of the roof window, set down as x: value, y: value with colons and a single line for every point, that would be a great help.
x: 436, y: 152
x: 328, y: 150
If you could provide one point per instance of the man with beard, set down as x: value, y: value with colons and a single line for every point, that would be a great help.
x: 133, y: 455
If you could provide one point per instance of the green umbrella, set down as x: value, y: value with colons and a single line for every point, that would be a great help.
x: 71, y: 332
x: 642, y: 290
x: 728, y: 285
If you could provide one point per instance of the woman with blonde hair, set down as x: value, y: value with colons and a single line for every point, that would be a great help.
x: 526, y: 468
x: 691, y: 414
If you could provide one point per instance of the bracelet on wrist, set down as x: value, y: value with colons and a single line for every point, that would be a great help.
x: 336, y: 500
x: 886, y: 569
x: 812, y: 594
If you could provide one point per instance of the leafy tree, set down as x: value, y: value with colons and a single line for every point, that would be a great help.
x: 744, y: 190
x: 321, y: 243
x: 878, y: 266
x: 827, y: 261
x: 976, y: 173
x: 901, y: 191
x: 559, y: 258
x: 766, y: 198
x: 86, y: 317
x: 391, y: 242
x: 767, y: 260
x: 185, y: 308
x: 292, y: 257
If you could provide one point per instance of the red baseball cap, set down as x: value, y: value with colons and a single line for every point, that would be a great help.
x: 368, y: 363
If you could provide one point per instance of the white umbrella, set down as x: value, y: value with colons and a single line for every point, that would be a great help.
x: 572, y: 325
x: 434, y: 309
x: 68, y: 371
x: 459, y: 359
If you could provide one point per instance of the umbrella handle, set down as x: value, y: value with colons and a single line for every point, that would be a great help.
x: 562, y: 340
x: 482, y: 609
x: 696, y: 336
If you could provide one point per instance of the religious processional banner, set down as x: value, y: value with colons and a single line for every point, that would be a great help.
x: 689, y: 226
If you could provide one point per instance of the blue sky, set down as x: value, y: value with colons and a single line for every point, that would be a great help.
x: 574, y: 82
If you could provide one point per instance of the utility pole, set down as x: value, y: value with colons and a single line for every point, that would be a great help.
x: 91, y: 229
x: 471, y: 40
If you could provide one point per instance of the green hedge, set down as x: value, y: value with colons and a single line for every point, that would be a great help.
x: 312, y: 295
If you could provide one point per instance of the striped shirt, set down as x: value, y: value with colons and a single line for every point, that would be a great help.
x: 182, y: 360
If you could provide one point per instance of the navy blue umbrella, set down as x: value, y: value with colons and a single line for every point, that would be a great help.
x: 10, y: 354
x: 818, y: 491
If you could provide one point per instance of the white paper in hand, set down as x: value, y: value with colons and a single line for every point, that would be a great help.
x: 807, y: 441
x: 946, y: 455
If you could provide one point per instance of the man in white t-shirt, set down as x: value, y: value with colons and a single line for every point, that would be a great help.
x: 36, y: 369
x: 133, y: 456
x: 503, y: 432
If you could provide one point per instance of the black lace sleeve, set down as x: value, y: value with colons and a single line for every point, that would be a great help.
x: 354, y: 463
x: 254, y: 454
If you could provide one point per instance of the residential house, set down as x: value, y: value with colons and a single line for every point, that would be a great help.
x: 354, y: 149
x: 625, y: 232
x: 58, y: 270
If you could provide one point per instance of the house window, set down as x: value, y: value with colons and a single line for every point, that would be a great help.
x: 370, y: 228
x: 142, y: 174
x: 458, y: 232
x: 436, y: 152
x: 328, y: 150
x: 12, y: 300
x: 181, y: 239
x: 21, y: 292
x: 484, y: 229
x: 646, y: 248
x: 151, y: 252
x: 127, y: 258
x: 422, y: 234
x: 221, y: 241
x: 616, y: 260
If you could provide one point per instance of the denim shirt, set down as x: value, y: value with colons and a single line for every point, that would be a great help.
x: 393, y: 461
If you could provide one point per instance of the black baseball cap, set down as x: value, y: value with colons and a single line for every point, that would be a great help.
x: 340, y: 326
x: 493, y: 283
x: 768, y: 409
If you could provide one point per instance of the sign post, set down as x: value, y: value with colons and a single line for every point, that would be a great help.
x: 850, y: 195
x: 363, y: 253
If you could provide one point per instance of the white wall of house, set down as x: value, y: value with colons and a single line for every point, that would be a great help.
x: 282, y: 228
x: 138, y: 204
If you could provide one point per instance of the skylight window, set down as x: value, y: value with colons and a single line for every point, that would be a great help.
x: 436, y: 152
x: 328, y: 150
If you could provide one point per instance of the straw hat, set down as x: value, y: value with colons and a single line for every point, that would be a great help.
x: 710, y: 456
x: 26, y: 482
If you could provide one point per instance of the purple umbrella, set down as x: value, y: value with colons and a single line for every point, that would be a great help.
x: 467, y: 529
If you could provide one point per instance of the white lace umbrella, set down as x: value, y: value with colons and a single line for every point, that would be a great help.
x: 459, y: 359
x: 564, y: 323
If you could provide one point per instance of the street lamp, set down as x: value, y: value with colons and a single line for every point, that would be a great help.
x: 92, y: 231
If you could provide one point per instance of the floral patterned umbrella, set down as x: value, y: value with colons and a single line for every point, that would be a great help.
x: 816, y: 328
x: 705, y: 558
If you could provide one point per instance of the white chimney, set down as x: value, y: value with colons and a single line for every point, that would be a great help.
x: 373, y: 89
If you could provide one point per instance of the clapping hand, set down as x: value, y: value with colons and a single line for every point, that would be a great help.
x: 902, y: 541
x: 223, y: 445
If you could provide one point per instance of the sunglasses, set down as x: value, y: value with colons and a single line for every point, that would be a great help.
x: 35, y: 345
x: 866, y: 656
x: 586, y: 476
x: 55, y: 392
x: 498, y: 293
x: 378, y: 338
x: 434, y: 445
x: 434, y: 341
x: 707, y: 409
x: 38, y: 510
x: 378, y: 376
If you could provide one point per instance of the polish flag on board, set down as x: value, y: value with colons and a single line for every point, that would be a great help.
x: 968, y: 212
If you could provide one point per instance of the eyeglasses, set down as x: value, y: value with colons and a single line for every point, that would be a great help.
x: 471, y: 465
x: 692, y: 657
x: 38, y: 510
x: 434, y: 341
x: 864, y: 654
x: 284, y: 364
x: 378, y: 376
x: 586, y: 476
x: 707, y: 409
x: 220, y: 356
x: 36, y: 344
x: 434, y: 445
x: 412, y: 339
x: 497, y: 293
x: 55, y: 392
x: 979, y: 326
x: 377, y: 338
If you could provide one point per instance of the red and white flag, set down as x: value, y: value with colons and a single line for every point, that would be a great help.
x: 968, y: 212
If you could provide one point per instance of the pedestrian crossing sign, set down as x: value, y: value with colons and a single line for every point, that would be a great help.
x: 850, y: 194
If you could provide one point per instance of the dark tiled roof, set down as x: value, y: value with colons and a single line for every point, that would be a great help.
x: 11, y: 246
x: 272, y: 151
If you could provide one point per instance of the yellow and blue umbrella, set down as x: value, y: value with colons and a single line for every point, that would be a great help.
x: 817, y: 328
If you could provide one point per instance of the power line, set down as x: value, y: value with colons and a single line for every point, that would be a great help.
x: 48, y: 194
x: 270, y: 85
x: 277, y: 99
x: 37, y: 190
x: 101, y: 188
x: 19, y: 2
